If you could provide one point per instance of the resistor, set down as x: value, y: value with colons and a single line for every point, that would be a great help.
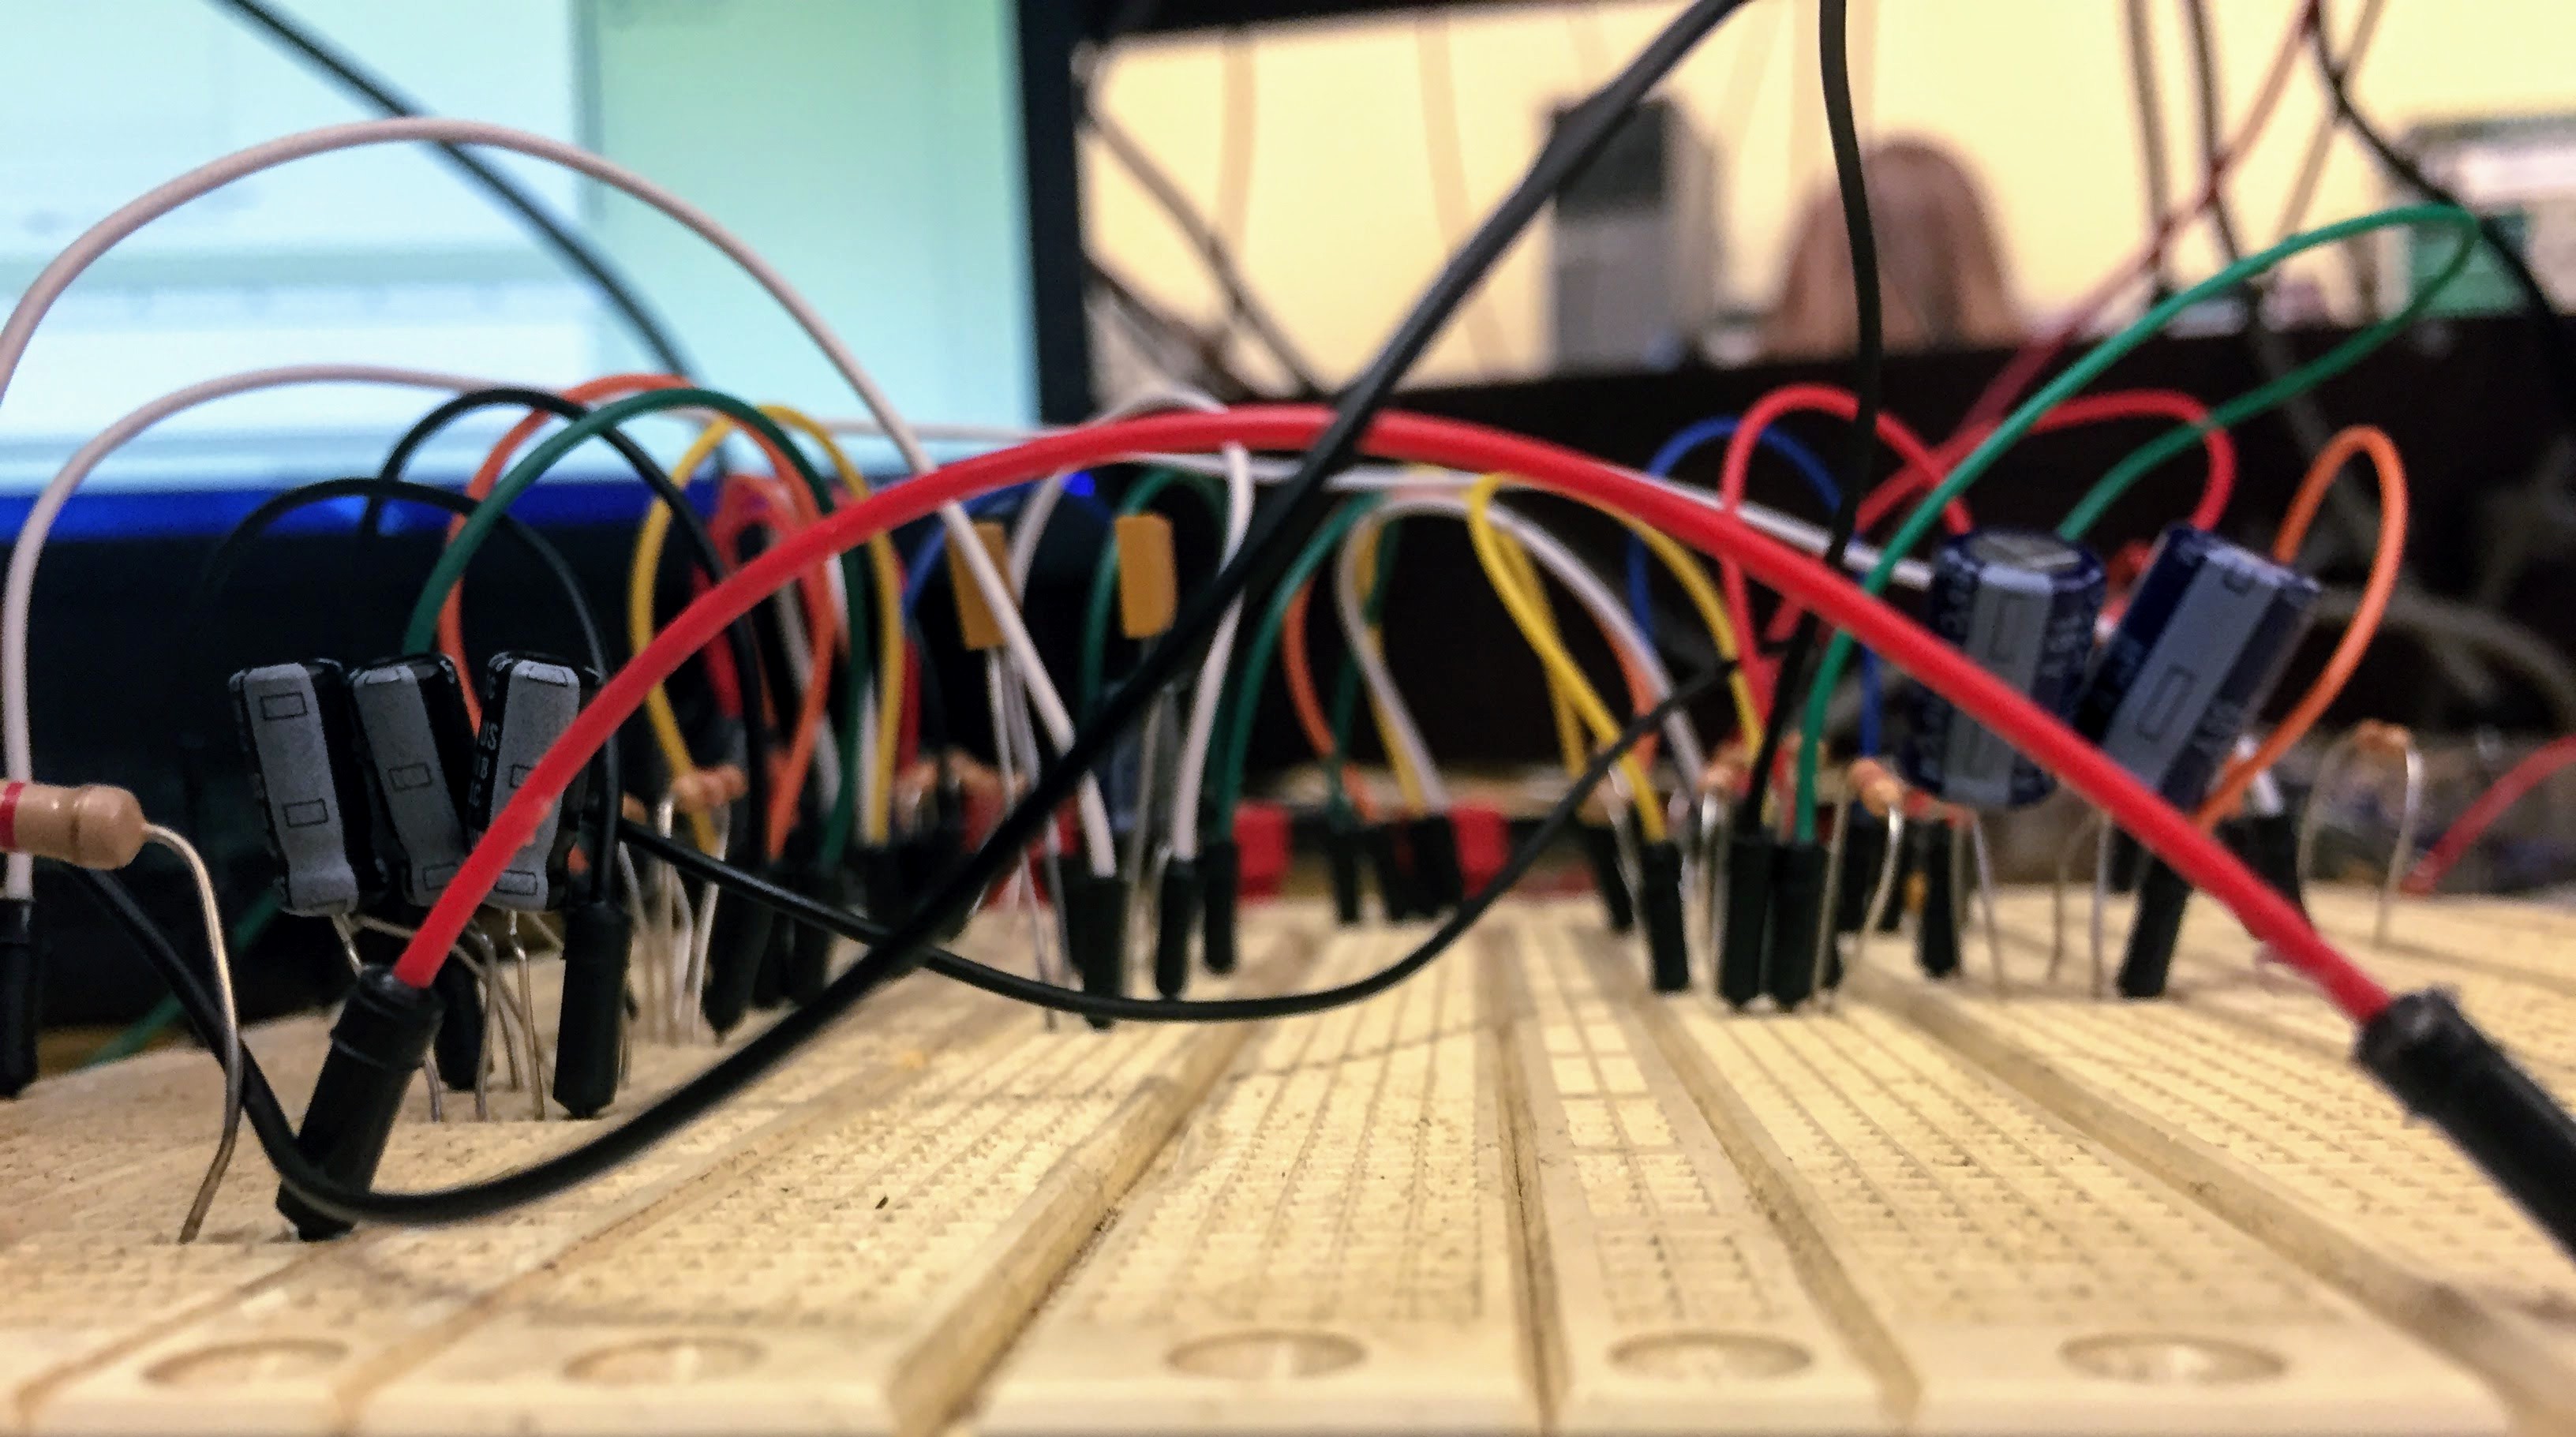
x: 92, y: 826
x: 707, y: 790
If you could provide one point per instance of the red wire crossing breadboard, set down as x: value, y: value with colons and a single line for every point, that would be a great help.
x: 1516, y: 1194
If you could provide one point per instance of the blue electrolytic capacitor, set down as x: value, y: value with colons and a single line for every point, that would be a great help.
x: 528, y: 702
x: 2204, y: 638
x: 2022, y: 604
x: 420, y: 754
x: 307, y: 777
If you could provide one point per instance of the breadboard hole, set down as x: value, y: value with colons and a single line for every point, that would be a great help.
x: 2155, y: 1359
x: 1267, y: 1355
x: 665, y: 1362
x: 241, y: 1364
x: 1710, y: 1357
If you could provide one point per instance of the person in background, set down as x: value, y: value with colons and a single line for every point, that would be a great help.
x: 1941, y: 269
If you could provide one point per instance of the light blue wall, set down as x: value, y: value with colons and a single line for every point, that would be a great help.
x: 869, y: 148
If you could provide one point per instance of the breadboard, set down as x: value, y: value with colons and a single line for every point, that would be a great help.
x: 1327, y: 1248
x: 2278, y: 1133
x: 1514, y: 1194
x: 2002, y: 1258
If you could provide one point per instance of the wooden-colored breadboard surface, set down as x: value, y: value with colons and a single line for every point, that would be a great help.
x: 1515, y: 1194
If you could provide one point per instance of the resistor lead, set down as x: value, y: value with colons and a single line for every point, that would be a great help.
x: 1864, y: 825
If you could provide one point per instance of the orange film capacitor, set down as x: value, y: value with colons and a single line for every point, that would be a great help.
x: 976, y: 623
x: 1148, y: 587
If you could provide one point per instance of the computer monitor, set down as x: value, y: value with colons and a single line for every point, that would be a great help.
x: 877, y: 151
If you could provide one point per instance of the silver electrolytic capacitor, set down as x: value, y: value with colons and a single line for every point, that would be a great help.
x: 2022, y: 604
x: 2203, y: 640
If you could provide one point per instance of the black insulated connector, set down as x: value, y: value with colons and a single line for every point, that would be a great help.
x: 1342, y: 843
x: 1221, y: 895
x: 1095, y: 933
x: 2128, y: 862
x: 1936, y: 933
x: 22, y: 991
x: 459, y: 1047
x: 589, y: 1032
x: 1747, y: 924
x: 1601, y: 850
x: 736, y: 948
x: 1864, y: 854
x: 920, y: 860
x: 2424, y: 1050
x: 1797, y: 922
x: 2269, y: 844
x: 376, y: 1049
x: 882, y: 891
x: 1386, y: 864
x: 809, y: 945
x: 2153, y: 935
x: 1439, y: 884
x: 1176, y: 921
x: 769, y: 980
x: 1659, y: 893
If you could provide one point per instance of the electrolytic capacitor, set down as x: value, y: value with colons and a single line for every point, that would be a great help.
x: 528, y: 701
x: 420, y: 754
x: 309, y: 781
x: 2202, y: 642
x: 2022, y: 605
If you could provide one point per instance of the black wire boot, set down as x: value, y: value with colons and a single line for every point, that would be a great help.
x: 882, y: 894
x: 2446, y: 1071
x: 1095, y: 933
x: 1909, y: 862
x: 1864, y: 854
x: 735, y: 949
x: 459, y: 1047
x: 1175, y: 920
x: 1221, y: 896
x: 2163, y: 895
x: 1438, y: 882
x: 1601, y: 850
x: 588, y: 1033
x: 2128, y: 862
x: 918, y: 863
x: 1659, y: 893
x: 769, y: 975
x: 933, y: 853
x: 1342, y: 843
x: 1741, y: 934
x: 376, y: 1049
x: 809, y: 953
x: 1386, y: 861
x: 2269, y: 844
x: 1936, y: 934
x: 1797, y: 919
x: 22, y: 992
